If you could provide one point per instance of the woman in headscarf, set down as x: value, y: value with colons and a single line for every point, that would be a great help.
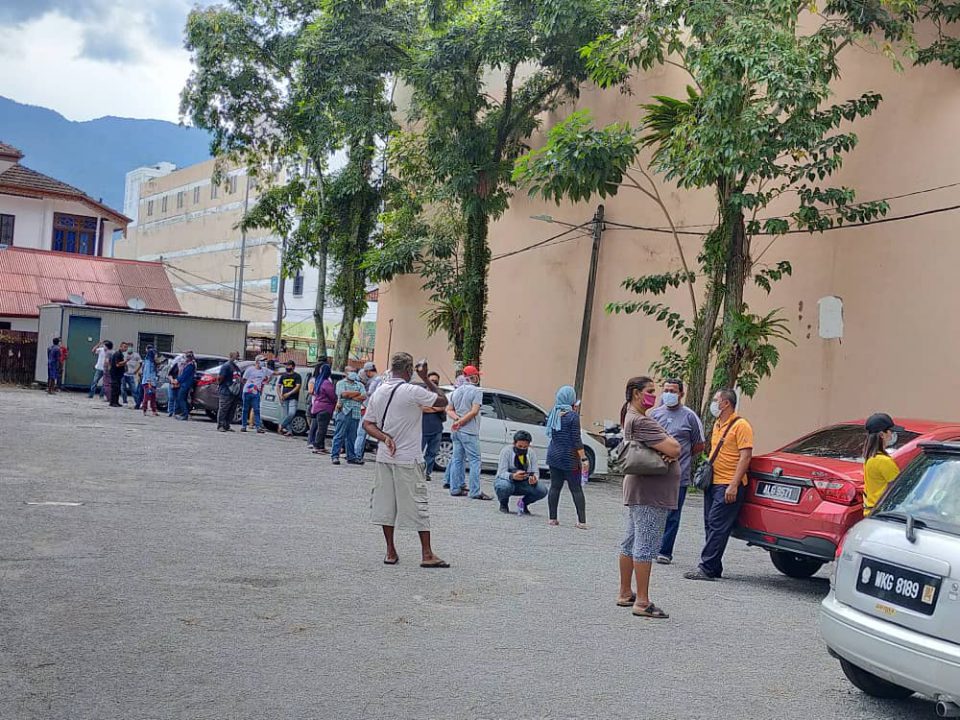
x: 565, y: 455
x: 148, y: 381
x: 323, y: 399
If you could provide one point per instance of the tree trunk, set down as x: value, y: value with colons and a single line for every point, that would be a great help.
x: 320, y: 303
x: 736, y: 274
x: 476, y: 258
x: 701, y: 347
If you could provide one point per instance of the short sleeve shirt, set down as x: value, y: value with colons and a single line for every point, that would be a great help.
x: 739, y: 438
x: 659, y: 491
x: 683, y: 425
x: 134, y: 361
x: 288, y: 381
x: 254, y: 379
x: 348, y: 405
x: 102, y: 355
x: 403, y: 421
x: 878, y: 472
x: 463, y: 400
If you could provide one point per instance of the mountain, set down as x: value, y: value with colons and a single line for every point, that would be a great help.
x: 96, y: 155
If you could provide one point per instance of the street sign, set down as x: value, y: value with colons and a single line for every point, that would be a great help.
x: 274, y: 283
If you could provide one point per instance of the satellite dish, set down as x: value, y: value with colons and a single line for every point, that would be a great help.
x: 136, y: 303
x: 76, y: 299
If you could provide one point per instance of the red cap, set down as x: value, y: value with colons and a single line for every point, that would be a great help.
x: 471, y: 370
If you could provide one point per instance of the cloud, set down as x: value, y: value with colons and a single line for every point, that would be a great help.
x: 107, y: 47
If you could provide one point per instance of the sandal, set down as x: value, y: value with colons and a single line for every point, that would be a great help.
x: 651, y: 611
x: 438, y: 564
x: 627, y: 603
x: 388, y: 561
x: 554, y: 523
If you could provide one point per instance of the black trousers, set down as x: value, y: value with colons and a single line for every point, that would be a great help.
x: 572, y: 479
x: 115, y: 383
x: 317, y: 437
x: 225, y: 409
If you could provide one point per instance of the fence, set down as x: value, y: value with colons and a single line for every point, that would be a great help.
x: 18, y: 356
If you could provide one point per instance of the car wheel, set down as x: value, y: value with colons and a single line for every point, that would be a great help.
x: 211, y: 414
x: 299, y: 425
x: 237, y: 414
x: 793, y: 565
x: 872, y: 685
x: 592, y: 459
x: 444, y: 453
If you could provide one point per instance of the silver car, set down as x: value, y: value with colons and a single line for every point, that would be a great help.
x: 892, y: 617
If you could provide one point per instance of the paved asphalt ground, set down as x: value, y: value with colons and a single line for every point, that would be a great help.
x: 237, y: 577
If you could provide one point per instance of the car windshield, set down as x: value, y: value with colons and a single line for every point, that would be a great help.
x: 841, y: 442
x: 928, y: 490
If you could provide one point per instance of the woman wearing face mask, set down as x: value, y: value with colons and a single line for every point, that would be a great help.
x: 565, y: 455
x: 648, y: 499
x: 879, y: 469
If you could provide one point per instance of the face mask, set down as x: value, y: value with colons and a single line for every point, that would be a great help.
x: 892, y: 440
x: 648, y: 400
x: 715, y: 409
x: 670, y: 399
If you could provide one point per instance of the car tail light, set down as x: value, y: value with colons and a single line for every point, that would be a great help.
x: 838, y: 491
x: 206, y: 379
x: 840, y: 547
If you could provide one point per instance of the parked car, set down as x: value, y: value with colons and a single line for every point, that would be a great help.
x: 204, y: 363
x: 502, y: 414
x: 271, y: 412
x: 892, y: 616
x: 803, y: 498
x: 206, y: 395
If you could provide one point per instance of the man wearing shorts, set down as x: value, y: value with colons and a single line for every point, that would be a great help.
x: 394, y: 419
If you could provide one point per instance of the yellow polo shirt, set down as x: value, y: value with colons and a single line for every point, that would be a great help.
x: 878, y: 472
x: 739, y: 438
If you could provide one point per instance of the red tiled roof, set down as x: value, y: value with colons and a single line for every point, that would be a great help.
x: 30, y: 278
x: 9, y: 151
x: 21, y: 180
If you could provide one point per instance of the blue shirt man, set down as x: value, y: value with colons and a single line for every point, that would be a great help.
x: 467, y: 401
x: 683, y: 425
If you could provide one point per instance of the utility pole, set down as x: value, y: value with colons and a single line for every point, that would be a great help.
x: 281, y: 287
x: 238, y: 309
x: 588, y: 302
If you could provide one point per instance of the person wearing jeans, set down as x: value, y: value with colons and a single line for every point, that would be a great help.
x: 683, y: 425
x: 732, y: 451
x: 350, y: 394
x: 466, y: 402
x: 518, y: 473
x: 102, y: 353
x: 289, y: 387
x: 254, y: 378
x: 370, y: 381
x: 188, y: 373
x: 431, y: 429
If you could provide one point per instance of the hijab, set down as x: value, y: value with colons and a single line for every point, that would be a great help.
x: 566, y: 399
x: 322, y: 377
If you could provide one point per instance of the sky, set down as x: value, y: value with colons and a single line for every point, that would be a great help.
x: 90, y: 58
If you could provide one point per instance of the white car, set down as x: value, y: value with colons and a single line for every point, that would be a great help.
x: 892, y: 617
x: 501, y: 415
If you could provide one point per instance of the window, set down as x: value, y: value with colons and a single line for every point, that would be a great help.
x: 163, y: 343
x: 74, y: 234
x: 488, y: 407
x: 521, y: 411
x: 298, y: 284
x: 196, y: 195
x: 149, y: 208
x: 4, y: 326
x: 213, y: 190
x: 232, y: 184
x: 180, y: 200
x: 840, y: 442
x: 928, y: 490
x: 6, y: 229
x: 163, y: 204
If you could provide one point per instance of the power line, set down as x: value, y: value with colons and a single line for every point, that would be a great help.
x: 541, y: 242
x: 194, y: 289
x: 232, y: 288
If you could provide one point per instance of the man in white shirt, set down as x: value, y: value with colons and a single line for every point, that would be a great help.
x: 99, y: 366
x: 394, y: 419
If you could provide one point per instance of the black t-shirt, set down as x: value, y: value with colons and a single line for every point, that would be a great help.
x: 117, y: 370
x: 433, y: 423
x: 227, y: 371
x: 288, y: 381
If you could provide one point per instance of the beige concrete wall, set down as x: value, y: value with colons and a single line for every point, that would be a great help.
x: 198, y: 238
x: 895, y: 279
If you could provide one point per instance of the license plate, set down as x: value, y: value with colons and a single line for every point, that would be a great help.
x: 779, y: 492
x: 899, y: 586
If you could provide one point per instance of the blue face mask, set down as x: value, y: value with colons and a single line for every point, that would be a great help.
x: 353, y: 377
x: 670, y: 399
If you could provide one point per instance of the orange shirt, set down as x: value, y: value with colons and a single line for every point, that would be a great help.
x: 739, y: 438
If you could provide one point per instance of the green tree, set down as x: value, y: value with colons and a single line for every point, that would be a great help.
x: 481, y: 72
x: 756, y: 126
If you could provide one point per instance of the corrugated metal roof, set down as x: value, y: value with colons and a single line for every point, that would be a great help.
x: 29, y: 278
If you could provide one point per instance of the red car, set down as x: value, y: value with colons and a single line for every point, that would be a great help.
x: 803, y: 498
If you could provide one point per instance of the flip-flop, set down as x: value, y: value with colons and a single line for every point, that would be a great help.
x: 387, y: 561
x: 652, y: 611
x: 627, y: 603
x: 441, y: 564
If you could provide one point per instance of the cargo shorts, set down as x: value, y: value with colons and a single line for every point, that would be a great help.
x: 399, y: 497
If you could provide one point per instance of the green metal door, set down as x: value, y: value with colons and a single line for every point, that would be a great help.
x: 83, y: 334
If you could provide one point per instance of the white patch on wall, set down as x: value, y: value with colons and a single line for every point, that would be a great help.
x: 831, y: 317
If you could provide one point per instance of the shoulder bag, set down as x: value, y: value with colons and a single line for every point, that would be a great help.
x: 703, y: 479
x: 632, y: 457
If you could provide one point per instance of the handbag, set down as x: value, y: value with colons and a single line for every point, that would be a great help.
x: 632, y: 457
x: 703, y: 479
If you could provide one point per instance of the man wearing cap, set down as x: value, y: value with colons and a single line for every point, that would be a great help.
x: 370, y: 381
x: 879, y: 469
x: 466, y: 401
x: 254, y: 378
x: 394, y: 419
x: 732, y: 449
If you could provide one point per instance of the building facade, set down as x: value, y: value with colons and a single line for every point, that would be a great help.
x: 868, y: 307
x: 134, y: 180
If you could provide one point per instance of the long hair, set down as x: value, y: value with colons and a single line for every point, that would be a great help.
x: 634, y: 383
x: 874, y: 446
